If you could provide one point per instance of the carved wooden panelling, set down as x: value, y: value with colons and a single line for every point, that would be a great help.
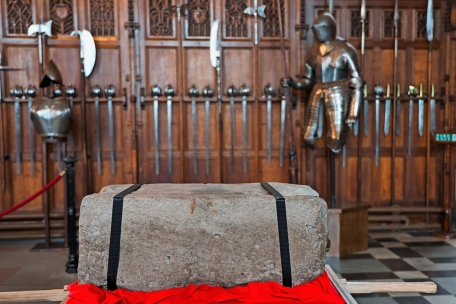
x: 235, y: 19
x: 61, y: 12
x: 160, y: 18
x: 271, y: 22
x: 356, y: 24
x: 388, y: 26
x: 421, y: 24
x: 199, y: 18
x: 102, y: 17
x: 19, y: 16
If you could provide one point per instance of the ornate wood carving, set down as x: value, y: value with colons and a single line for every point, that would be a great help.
x: 271, y: 22
x: 102, y: 17
x: 388, y: 26
x: 199, y: 18
x: 61, y: 12
x: 356, y: 24
x: 421, y: 17
x: 236, y: 23
x: 302, y: 27
x: 19, y: 16
x: 160, y: 18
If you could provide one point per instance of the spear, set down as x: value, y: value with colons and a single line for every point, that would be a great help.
x: 394, y: 134
x: 360, y: 146
x: 286, y: 89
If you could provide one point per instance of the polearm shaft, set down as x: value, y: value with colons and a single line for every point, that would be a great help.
x: 286, y: 87
x: 430, y: 38
x: 356, y: 127
x: 395, y: 88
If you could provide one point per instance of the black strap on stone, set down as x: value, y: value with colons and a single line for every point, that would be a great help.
x: 283, y: 234
x: 116, y: 229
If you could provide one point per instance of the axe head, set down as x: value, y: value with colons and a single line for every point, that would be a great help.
x: 40, y: 29
x: 51, y: 75
x: 88, y: 50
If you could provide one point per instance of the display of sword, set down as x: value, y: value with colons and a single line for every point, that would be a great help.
x: 411, y: 93
x: 193, y: 93
x: 321, y: 114
x: 169, y: 93
x: 387, y: 111
x: 232, y: 92
x: 420, y: 111
x: 110, y: 92
x: 16, y: 92
x: 269, y: 93
x: 366, y: 112
x: 244, y: 91
x: 285, y: 85
x: 283, y: 110
x: 378, y: 92
x: 156, y: 92
x: 95, y: 92
x: 256, y: 11
x: 207, y: 93
x: 432, y: 111
x: 30, y: 93
x: 70, y: 93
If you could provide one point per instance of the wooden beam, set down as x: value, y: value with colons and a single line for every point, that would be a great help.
x: 33, y: 295
x: 384, y: 287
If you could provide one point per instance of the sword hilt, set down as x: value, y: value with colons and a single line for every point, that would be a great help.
x: 421, y: 90
x: 388, y: 89
x: 398, y: 93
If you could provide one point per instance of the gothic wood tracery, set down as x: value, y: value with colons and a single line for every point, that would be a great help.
x: 421, y: 24
x: 160, y: 18
x: 102, y: 17
x: 388, y: 26
x: 356, y: 24
x: 271, y: 22
x: 235, y: 19
x: 19, y: 16
x: 61, y: 12
x: 199, y: 18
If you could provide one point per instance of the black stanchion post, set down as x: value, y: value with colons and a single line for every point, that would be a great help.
x: 72, y: 264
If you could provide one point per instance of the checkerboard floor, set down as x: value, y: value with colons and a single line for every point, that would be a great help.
x: 403, y: 257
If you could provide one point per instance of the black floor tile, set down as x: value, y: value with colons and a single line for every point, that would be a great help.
x: 404, y: 252
x: 411, y: 300
x: 440, y: 274
x: 361, y: 256
x: 374, y: 245
x: 386, y: 240
x: 421, y: 233
x: 371, y: 295
x: 443, y: 260
x: 397, y: 265
x: 423, y: 244
x: 369, y: 276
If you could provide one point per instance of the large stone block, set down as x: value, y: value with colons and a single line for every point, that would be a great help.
x: 218, y: 234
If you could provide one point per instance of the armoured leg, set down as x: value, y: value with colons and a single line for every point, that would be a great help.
x: 336, y: 101
x: 311, y: 124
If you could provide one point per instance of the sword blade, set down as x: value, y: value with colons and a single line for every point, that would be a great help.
x: 269, y: 106
x: 170, y: 135
x: 156, y: 138
x: 232, y: 132
x: 420, y: 116
x: 387, y: 116
x: 282, y: 128
x: 244, y: 132
x: 432, y: 116
x: 356, y: 128
x: 97, y: 121
x: 208, y: 104
x: 398, y: 118
x: 111, y: 136
x: 32, y: 138
x: 377, y: 130
x: 344, y: 155
x: 409, y: 149
x: 320, y: 120
x: 17, y: 111
x: 366, y: 117
x: 195, y: 161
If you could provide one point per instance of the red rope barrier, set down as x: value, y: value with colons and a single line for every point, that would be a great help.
x: 31, y: 198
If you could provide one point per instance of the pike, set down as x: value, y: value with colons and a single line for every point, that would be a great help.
x: 269, y: 92
x: 358, y: 121
x: 95, y: 91
x: 411, y: 93
x: 169, y: 93
x: 41, y: 29
x: 285, y: 84
x: 244, y: 91
x: 398, y: 110
x: 232, y: 92
x: 88, y: 55
x: 30, y: 92
x: 110, y: 92
x: 396, y: 94
x: 193, y: 93
x: 387, y: 111
x: 431, y: 102
x: 16, y: 92
x: 156, y: 92
x: 256, y: 11
x: 420, y: 111
x: 378, y: 91
x: 363, y: 39
x: 207, y: 93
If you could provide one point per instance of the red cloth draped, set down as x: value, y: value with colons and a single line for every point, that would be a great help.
x: 318, y: 291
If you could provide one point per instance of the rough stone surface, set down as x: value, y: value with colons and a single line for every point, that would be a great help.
x: 218, y: 234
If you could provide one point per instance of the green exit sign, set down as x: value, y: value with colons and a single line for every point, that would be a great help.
x: 445, y: 138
